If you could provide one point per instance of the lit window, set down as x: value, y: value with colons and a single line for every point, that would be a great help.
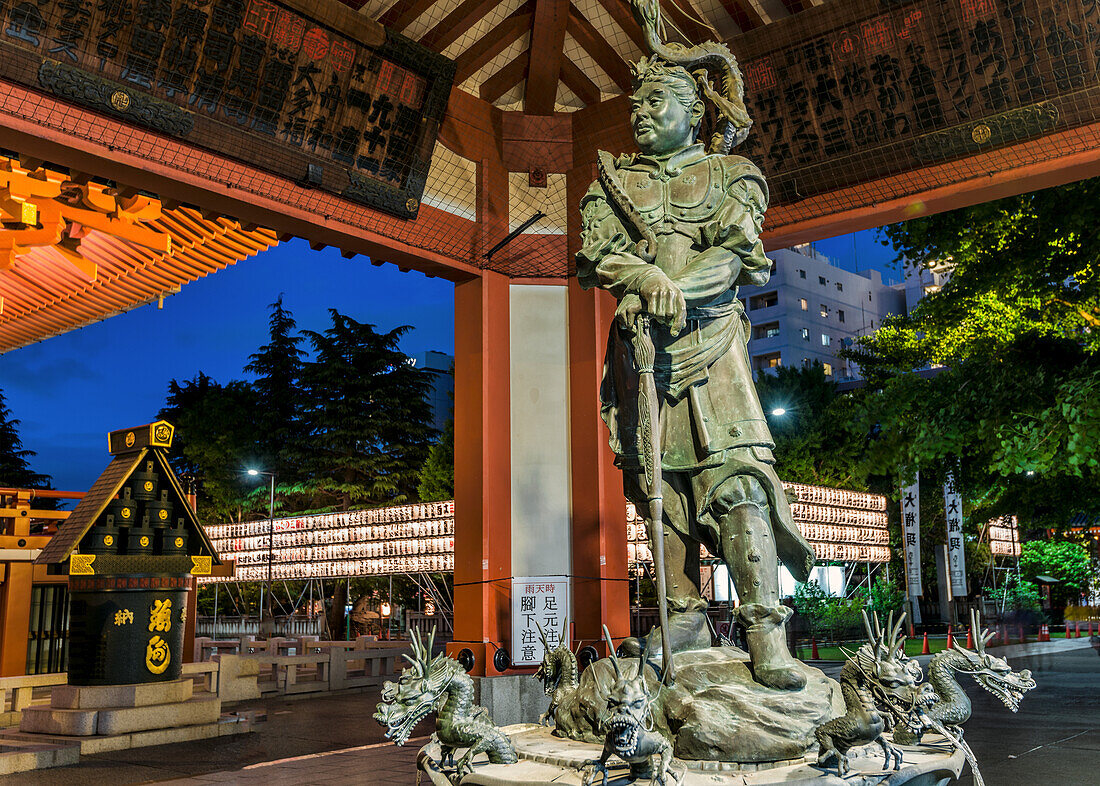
x: 802, y: 302
x: 828, y: 369
x: 821, y: 280
x: 824, y: 311
x: 805, y: 334
x: 840, y: 315
x: 801, y: 273
x: 771, y: 332
x: 825, y: 340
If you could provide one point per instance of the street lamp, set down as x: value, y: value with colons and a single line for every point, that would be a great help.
x: 779, y: 412
x: 267, y: 625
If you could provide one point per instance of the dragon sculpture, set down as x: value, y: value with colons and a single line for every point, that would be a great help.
x: 558, y: 673
x: 950, y: 705
x: 876, y: 674
x: 701, y: 60
x: 629, y: 724
x: 439, y: 684
x: 944, y: 705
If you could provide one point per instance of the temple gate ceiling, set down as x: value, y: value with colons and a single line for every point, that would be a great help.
x: 325, y: 120
x: 542, y: 56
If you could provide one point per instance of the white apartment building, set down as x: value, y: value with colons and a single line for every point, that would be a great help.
x: 811, y: 307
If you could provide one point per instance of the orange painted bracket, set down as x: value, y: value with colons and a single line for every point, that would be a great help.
x: 23, y: 542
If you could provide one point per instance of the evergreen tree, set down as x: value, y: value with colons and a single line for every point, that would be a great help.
x: 215, y: 442
x: 15, y: 471
x: 367, y: 417
x: 278, y: 369
x: 437, y: 476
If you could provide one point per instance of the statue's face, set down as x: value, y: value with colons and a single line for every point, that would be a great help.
x: 661, y: 123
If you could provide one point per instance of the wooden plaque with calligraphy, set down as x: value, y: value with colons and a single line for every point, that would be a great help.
x: 310, y: 91
x: 856, y: 90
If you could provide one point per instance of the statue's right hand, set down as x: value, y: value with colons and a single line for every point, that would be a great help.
x: 665, y: 301
x: 627, y: 312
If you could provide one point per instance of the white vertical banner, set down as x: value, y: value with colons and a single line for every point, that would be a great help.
x: 538, y: 601
x: 956, y: 554
x: 910, y: 530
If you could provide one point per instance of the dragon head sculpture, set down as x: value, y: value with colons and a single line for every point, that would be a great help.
x: 408, y: 701
x: 992, y: 673
x: 892, y: 677
x: 628, y: 717
x: 551, y: 671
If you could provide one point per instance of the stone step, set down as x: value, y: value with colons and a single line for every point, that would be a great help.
x: 120, y: 720
x: 21, y: 755
x: 94, y: 697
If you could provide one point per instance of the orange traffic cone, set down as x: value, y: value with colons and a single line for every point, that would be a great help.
x: 924, y: 648
x: 970, y: 638
x: 813, y: 650
x: 1044, y: 634
x: 950, y: 638
x: 1069, y: 635
x: 1077, y: 630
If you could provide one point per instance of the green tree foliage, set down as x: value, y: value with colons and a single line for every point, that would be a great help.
x: 1017, y: 595
x: 885, y: 597
x: 15, y: 470
x: 1068, y: 562
x: 1015, y: 332
x: 437, y: 476
x: 215, y: 441
x: 815, y: 439
x: 368, y: 423
x: 278, y: 369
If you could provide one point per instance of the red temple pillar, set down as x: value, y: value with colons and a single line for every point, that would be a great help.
x: 483, y: 540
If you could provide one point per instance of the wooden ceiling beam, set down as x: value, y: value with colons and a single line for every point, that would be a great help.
x: 619, y: 10
x: 456, y: 23
x: 585, y: 34
x: 403, y: 13
x: 494, y: 42
x: 748, y: 14
x: 504, y: 79
x: 546, y: 55
x: 577, y: 81
x: 797, y: 6
x: 686, y: 18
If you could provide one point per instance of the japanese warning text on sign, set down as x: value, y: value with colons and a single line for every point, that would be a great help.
x: 538, y: 601
x: 956, y: 555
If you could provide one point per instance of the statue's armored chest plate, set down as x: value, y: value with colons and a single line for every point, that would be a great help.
x: 665, y: 197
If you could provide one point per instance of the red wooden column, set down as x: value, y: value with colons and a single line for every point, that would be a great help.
x: 483, y: 538
x: 15, y: 596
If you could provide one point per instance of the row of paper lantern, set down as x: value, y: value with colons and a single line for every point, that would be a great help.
x: 386, y: 548
x: 310, y: 531
x: 438, y: 563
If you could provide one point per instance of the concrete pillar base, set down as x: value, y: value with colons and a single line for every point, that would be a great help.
x: 515, y: 698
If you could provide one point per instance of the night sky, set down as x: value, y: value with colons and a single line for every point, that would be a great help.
x: 69, y: 391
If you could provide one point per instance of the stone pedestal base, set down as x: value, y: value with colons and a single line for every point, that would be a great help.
x: 103, y: 718
x: 545, y: 760
x: 716, y: 711
x: 85, y: 711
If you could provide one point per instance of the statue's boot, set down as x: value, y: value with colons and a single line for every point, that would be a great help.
x: 687, y: 631
x: 765, y: 631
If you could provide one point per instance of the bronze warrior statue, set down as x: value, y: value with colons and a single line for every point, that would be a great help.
x: 673, y: 232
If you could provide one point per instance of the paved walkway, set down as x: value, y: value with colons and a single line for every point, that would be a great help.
x: 1055, y: 738
x: 379, y: 764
